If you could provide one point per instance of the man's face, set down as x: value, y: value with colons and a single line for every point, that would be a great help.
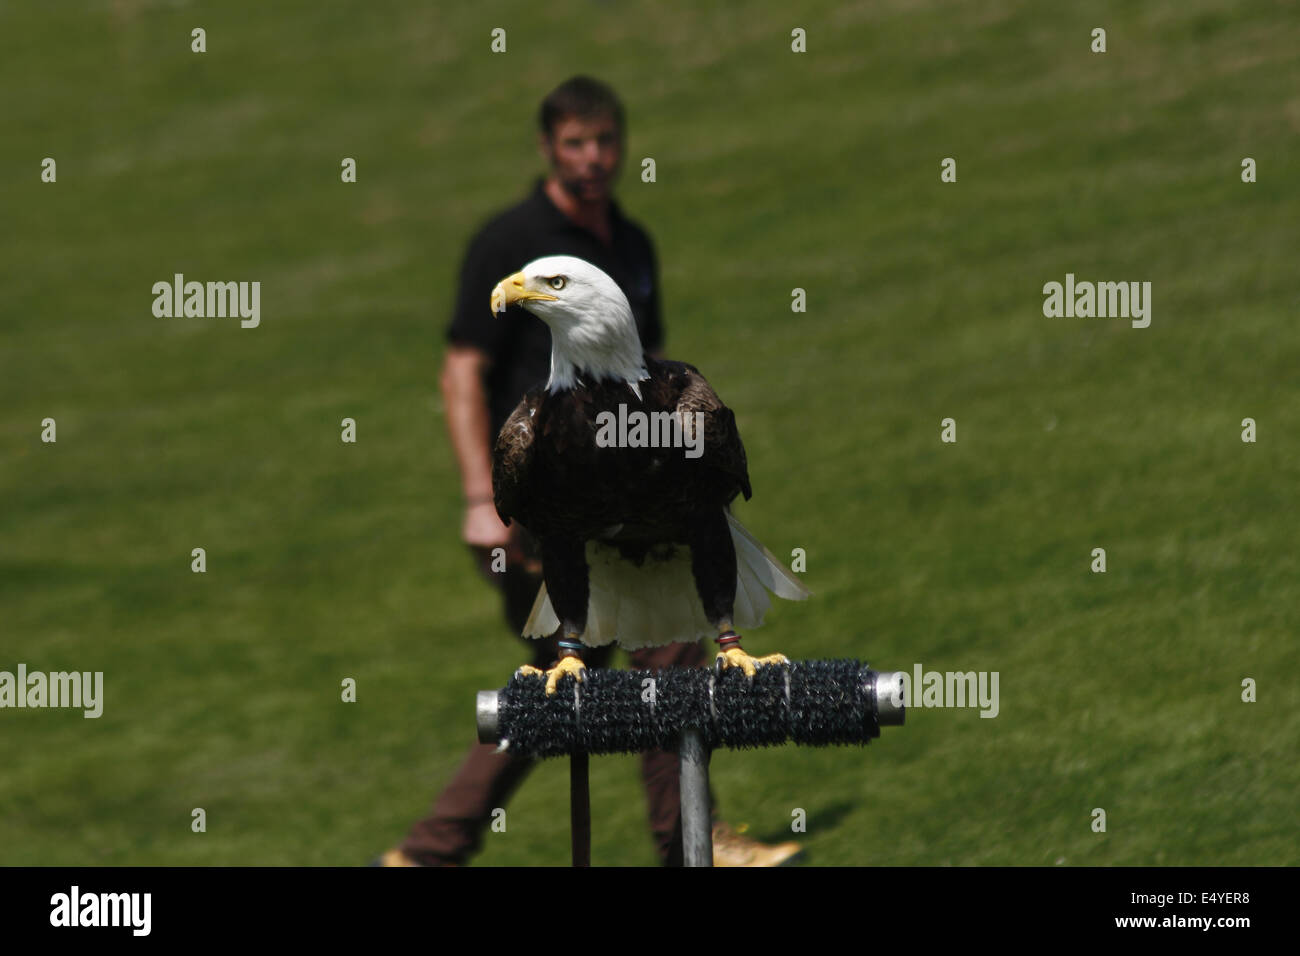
x: 584, y: 155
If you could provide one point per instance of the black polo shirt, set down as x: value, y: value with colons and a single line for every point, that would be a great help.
x: 517, y: 342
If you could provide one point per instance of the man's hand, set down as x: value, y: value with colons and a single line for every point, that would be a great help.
x: 484, y: 532
x: 483, y: 528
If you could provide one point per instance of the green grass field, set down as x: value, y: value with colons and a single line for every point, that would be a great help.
x: 776, y: 170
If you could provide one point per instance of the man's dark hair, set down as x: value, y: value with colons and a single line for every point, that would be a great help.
x: 581, y: 97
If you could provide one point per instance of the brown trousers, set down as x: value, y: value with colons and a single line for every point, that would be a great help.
x: 485, y: 781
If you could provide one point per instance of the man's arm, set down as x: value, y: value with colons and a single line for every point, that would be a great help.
x: 465, y: 399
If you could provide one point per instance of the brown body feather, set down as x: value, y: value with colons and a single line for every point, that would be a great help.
x: 550, y: 474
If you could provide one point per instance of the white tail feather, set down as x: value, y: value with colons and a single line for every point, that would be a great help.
x: 762, y: 563
x: 657, y: 603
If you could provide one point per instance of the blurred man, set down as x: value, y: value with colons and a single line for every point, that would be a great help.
x: 491, y: 361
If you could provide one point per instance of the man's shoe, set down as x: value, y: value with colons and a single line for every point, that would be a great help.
x: 730, y: 848
x: 394, y: 858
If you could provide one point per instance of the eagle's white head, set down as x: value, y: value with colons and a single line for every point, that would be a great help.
x: 592, y: 330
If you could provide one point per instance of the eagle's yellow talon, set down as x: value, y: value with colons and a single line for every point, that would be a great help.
x: 566, y: 665
x: 736, y: 657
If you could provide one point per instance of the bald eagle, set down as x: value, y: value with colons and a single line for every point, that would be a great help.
x: 624, y: 467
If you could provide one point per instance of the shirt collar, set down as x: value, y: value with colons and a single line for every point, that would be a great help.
x: 556, y: 218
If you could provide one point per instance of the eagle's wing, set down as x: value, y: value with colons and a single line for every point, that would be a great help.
x: 512, y: 457
x: 723, y: 448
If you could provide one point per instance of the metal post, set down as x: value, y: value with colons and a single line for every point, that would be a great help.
x: 580, y: 809
x: 697, y: 827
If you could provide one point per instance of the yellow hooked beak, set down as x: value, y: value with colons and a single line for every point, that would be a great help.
x: 512, y: 290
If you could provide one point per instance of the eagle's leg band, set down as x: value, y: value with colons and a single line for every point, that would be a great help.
x: 570, y: 648
x: 728, y: 639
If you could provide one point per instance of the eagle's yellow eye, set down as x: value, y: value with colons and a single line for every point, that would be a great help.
x: 556, y: 282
